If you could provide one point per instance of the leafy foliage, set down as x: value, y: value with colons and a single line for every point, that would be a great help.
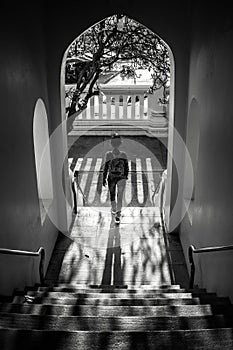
x: 115, y: 39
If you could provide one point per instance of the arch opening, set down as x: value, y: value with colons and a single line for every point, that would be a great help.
x: 165, y: 103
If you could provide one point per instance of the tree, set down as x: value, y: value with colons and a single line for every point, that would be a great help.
x: 115, y: 39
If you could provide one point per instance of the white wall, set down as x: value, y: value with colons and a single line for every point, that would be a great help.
x: 23, y: 81
x: 42, y: 158
x: 210, y: 139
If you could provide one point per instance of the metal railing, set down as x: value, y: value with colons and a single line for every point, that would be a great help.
x: 40, y: 252
x: 192, y: 250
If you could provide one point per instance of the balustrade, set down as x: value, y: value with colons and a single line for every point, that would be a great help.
x: 122, y: 105
x: 128, y: 108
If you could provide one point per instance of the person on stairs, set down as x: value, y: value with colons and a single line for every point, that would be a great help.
x: 116, y: 171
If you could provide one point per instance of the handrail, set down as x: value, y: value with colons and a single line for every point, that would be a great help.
x: 40, y: 252
x: 192, y: 250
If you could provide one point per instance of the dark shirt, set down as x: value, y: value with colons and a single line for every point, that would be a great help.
x: 108, y: 158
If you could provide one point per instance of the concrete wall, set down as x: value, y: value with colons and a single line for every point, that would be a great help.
x: 209, y: 136
x: 23, y: 81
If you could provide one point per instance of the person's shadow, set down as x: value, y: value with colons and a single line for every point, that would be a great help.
x: 114, y: 268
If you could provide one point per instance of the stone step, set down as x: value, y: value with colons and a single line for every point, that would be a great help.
x: 115, y: 286
x: 81, y: 295
x: 137, y: 301
x: 24, y: 301
x: 212, y: 308
x: 107, y: 290
x: 72, y: 299
x: 115, y: 293
x: 207, y: 339
x: 59, y: 308
x: 119, y: 323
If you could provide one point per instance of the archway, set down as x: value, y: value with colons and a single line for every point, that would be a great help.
x: 170, y: 114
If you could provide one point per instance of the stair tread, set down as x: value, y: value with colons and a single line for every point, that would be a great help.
x: 130, y: 293
x: 79, y: 300
x: 112, y: 290
x: 116, y: 317
x: 115, y: 286
x: 102, y: 310
x: 108, y: 323
x: 115, y: 302
x: 109, y: 295
x: 207, y: 339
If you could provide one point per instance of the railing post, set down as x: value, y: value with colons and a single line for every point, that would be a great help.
x: 41, y: 266
x: 192, y: 266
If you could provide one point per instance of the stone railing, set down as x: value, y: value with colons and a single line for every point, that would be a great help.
x: 129, y: 109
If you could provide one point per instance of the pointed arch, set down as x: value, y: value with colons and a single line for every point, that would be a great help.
x: 170, y: 113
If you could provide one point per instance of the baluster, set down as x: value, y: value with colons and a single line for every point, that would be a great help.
x: 100, y: 106
x: 121, y: 107
x: 133, y: 106
x: 108, y: 104
x: 92, y: 107
x: 125, y: 107
x: 116, y: 106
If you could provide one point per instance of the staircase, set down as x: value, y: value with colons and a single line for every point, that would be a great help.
x: 69, y: 316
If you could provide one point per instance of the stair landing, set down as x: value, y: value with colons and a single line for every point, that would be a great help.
x: 98, y: 251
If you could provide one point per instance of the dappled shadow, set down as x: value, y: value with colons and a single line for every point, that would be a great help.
x: 147, y: 257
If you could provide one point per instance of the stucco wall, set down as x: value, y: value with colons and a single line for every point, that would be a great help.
x: 210, y: 86
x: 23, y: 81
